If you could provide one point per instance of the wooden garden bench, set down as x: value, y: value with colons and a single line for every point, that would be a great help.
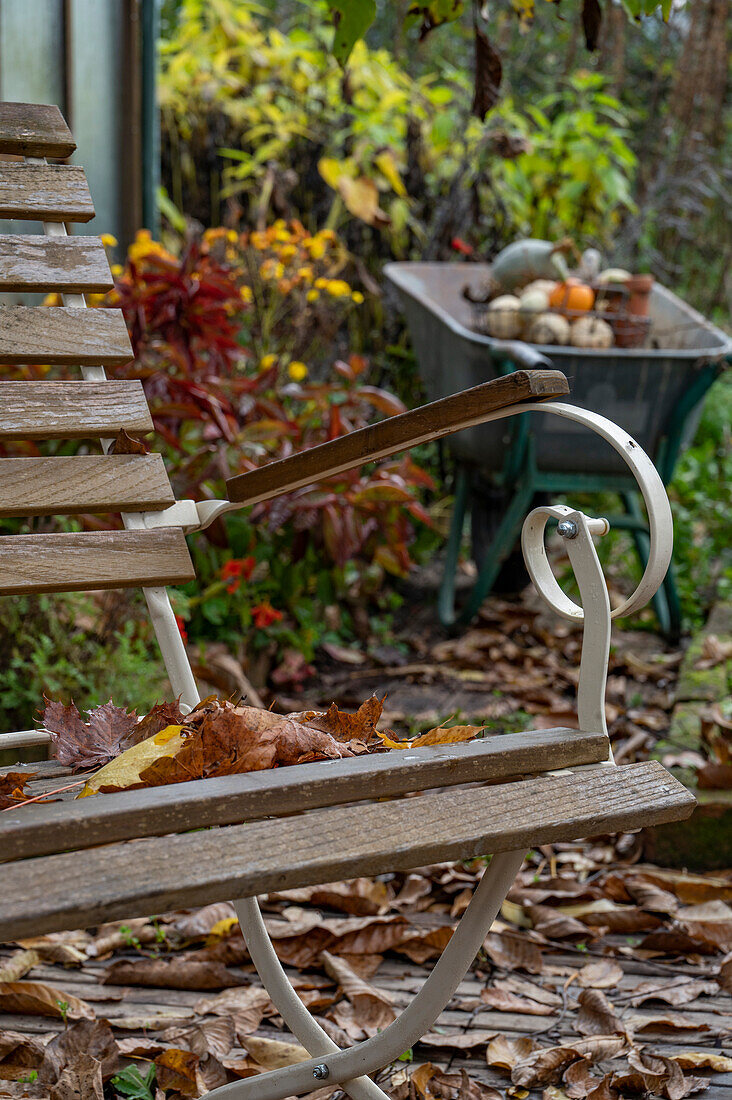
x: 78, y: 863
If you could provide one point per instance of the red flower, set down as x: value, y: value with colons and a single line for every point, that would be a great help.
x: 264, y: 615
x: 235, y: 569
x: 461, y: 246
x: 181, y: 627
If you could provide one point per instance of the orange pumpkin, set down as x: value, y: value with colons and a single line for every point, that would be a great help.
x: 572, y: 295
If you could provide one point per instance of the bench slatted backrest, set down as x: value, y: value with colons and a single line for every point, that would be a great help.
x: 91, y: 408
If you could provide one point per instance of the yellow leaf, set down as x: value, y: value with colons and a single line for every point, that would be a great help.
x: 273, y: 1053
x: 447, y: 736
x: 331, y: 171
x: 387, y: 166
x: 221, y: 930
x: 361, y: 197
x: 126, y: 769
x: 390, y: 744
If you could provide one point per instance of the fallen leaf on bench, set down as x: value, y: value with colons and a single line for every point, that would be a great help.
x: 441, y: 735
x: 246, y: 1007
x: 218, y: 740
x: 372, y: 1008
x: 78, y: 744
x: 92, y: 1037
x: 506, y: 1001
x: 545, y: 1065
x: 604, y: 974
x: 38, y: 999
x: 12, y: 788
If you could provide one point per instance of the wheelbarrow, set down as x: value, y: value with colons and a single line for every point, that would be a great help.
x: 654, y: 392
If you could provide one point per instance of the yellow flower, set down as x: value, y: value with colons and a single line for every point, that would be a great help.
x: 282, y: 235
x: 315, y: 247
x: 116, y: 269
x: 312, y: 295
x: 305, y: 273
x: 357, y: 297
x: 258, y: 240
x: 232, y: 236
x: 297, y: 370
x: 267, y: 361
x: 108, y: 240
x: 245, y: 293
x: 338, y: 288
x: 288, y: 251
x: 279, y: 224
x: 327, y: 234
x: 321, y: 283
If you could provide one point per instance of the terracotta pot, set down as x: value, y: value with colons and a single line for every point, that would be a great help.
x: 639, y: 288
x: 629, y: 331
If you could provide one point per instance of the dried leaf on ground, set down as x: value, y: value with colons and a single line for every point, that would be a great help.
x: 39, y: 999
x: 82, y: 1079
x: 372, y: 1008
x: 176, y: 973
x: 603, y: 974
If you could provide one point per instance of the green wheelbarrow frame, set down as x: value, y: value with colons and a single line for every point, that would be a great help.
x: 521, y: 477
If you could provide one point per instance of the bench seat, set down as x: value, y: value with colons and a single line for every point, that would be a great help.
x: 148, y: 876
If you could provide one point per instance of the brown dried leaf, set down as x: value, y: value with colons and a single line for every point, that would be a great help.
x: 373, y: 1009
x: 79, y: 744
x: 604, y: 974
x: 172, y: 974
x: 506, y: 1001
x: 676, y: 993
x: 19, y: 1054
x: 215, y: 1037
x: 39, y: 999
x: 176, y: 1069
x: 504, y: 1052
x: 512, y: 952
x: 14, y: 968
x: 80, y: 1081
x: 273, y: 1053
x: 125, y: 444
x: 360, y: 726
x: 545, y: 1066
x: 246, y: 1007
x: 12, y: 788
x: 702, y: 1059
x: 488, y: 74
x: 596, y: 1015
x: 93, y: 1037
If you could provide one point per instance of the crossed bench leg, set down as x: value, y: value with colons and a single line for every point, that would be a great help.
x: 348, y: 1067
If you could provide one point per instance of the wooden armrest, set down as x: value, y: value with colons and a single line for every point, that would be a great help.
x: 397, y: 433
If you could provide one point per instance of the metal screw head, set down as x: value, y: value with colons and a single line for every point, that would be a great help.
x: 321, y: 1072
x: 568, y: 529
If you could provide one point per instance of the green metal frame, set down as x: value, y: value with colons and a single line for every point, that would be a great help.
x: 523, y: 480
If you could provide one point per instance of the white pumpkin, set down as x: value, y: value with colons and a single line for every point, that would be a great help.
x: 549, y: 328
x: 591, y: 332
x: 502, y: 318
x: 532, y: 302
x: 612, y: 276
x: 545, y: 285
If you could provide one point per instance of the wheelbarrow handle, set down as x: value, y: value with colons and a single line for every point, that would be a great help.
x: 523, y: 355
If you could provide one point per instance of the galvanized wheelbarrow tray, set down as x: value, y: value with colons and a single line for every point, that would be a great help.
x: 655, y: 392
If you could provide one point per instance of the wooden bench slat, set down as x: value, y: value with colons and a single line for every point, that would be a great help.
x: 83, y: 483
x: 63, y: 334
x: 150, y: 876
x: 75, y: 265
x: 34, y: 130
x: 71, y: 562
x: 72, y: 410
x: 44, y: 192
x: 396, y: 433
x: 42, y: 830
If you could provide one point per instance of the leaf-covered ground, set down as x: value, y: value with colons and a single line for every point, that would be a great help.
x: 602, y: 978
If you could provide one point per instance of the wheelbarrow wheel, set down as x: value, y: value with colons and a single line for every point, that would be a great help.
x: 488, y: 507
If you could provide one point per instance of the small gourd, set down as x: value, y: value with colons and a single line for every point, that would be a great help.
x: 532, y: 302
x: 549, y: 328
x: 529, y: 259
x: 591, y: 332
x: 572, y: 295
x: 545, y: 285
x: 613, y: 276
x: 502, y: 318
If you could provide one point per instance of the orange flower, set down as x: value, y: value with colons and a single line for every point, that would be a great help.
x: 235, y: 569
x: 264, y: 615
